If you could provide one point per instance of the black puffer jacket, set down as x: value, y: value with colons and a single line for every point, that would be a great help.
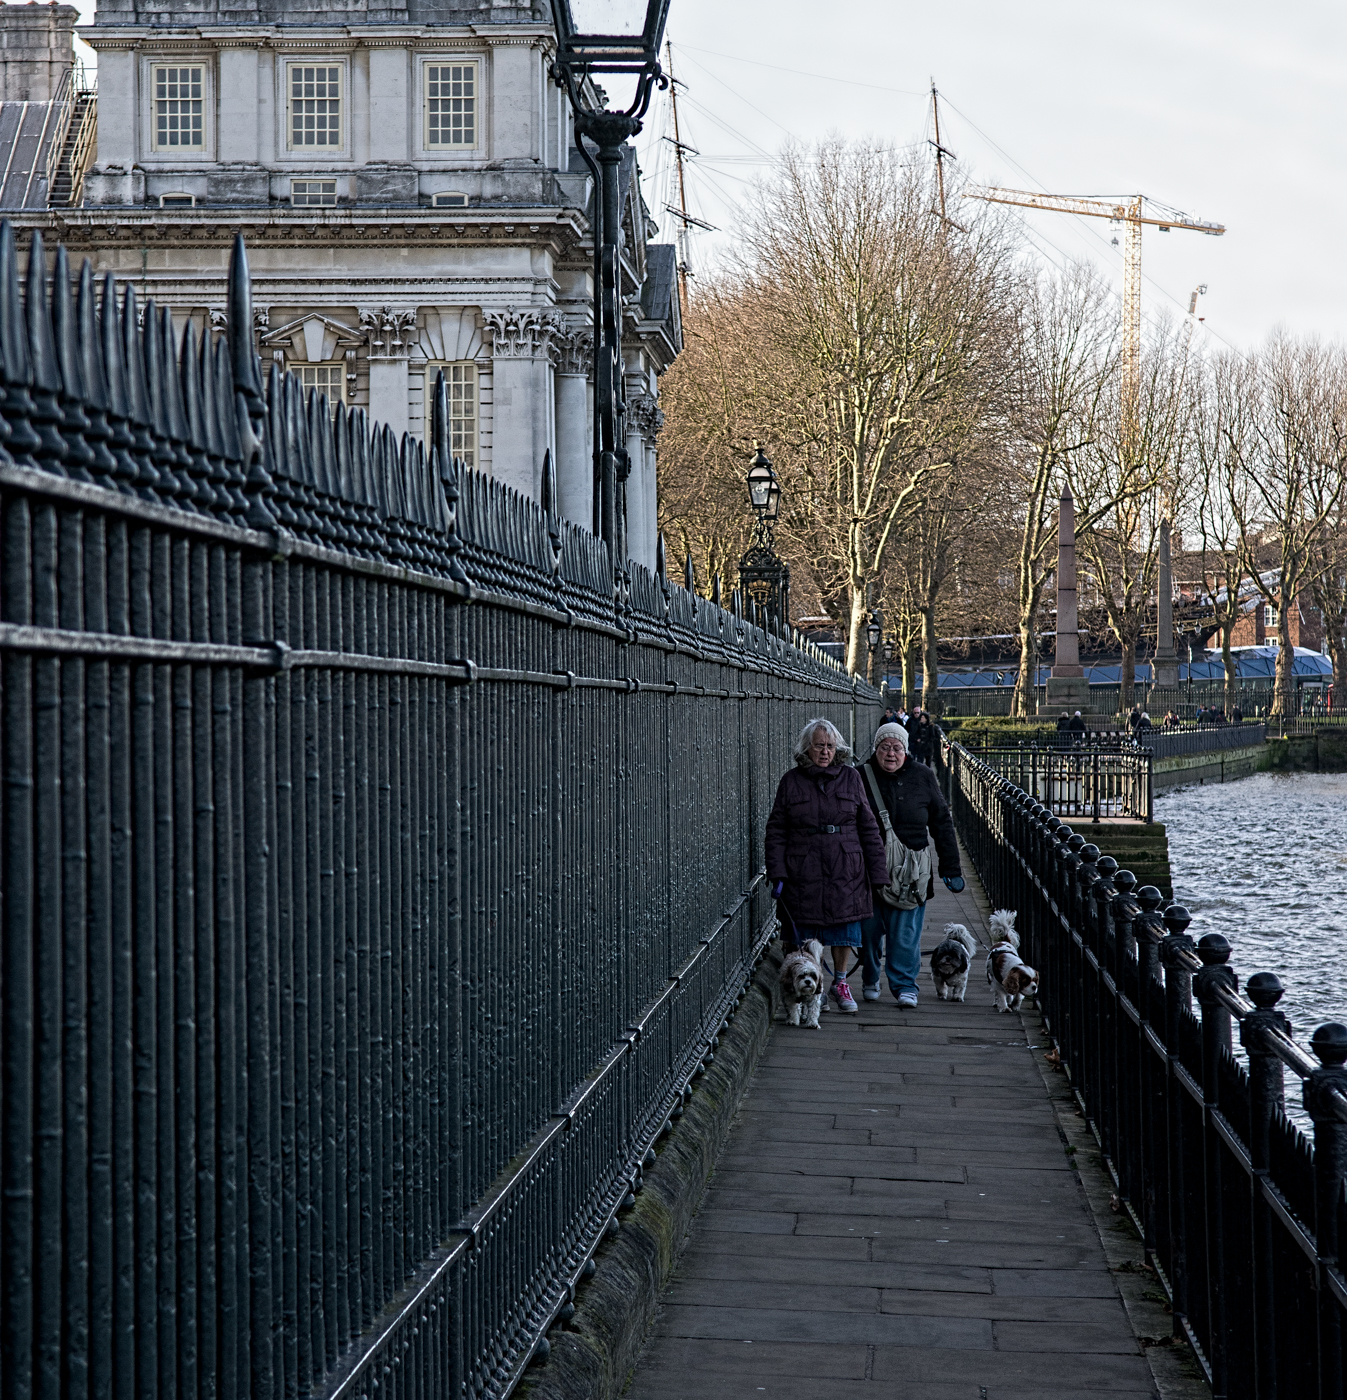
x: 916, y: 806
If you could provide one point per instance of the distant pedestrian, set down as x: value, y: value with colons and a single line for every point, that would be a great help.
x: 1144, y: 725
x: 825, y: 856
x: 909, y: 799
x: 1201, y: 716
x: 1063, y: 722
x: 1237, y: 715
x: 1076, y: 727
x: 890, y: 716
x: 1134, y: 718
x: 924, y: 740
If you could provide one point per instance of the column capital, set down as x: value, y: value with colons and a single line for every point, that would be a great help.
x: 386, y: 330
x: 521, y: 332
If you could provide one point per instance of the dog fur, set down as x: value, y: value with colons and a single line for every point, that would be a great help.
x: 951, y: 960
x: 802, y: 985
x: 1010, y: 979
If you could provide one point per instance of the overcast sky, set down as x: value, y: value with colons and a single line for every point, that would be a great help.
x: 1232, y: 112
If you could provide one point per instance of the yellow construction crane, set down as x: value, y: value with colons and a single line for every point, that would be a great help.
x: 1129, y: 212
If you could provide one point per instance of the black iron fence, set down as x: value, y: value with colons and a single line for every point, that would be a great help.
x: 379, y: 865
x: 1092, y: 780
x: 1244, y: 1220
x: 1203, y: 738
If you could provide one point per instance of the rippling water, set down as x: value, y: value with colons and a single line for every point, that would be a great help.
x: 1264, y: 861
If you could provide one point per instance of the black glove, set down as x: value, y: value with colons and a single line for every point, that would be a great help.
x: 953, y: 883
x: 777, y: 889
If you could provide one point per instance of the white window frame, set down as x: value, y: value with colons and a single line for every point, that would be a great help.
x: 179, y: 152
x: 336, y: 372
x: 429, y: 61
x: 473, y: 454
x: 442, y: 198
x: 1271, y: 617
x: 310, y: 194
x: 316, y: 150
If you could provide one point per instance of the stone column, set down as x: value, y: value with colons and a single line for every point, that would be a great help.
x: 1067, y: 686
x: 521, y: 389
x: 636, y: 503
x: 574, y: 348
x: 390, y: 333
x: 644, y: 416
x: 1165, y: 664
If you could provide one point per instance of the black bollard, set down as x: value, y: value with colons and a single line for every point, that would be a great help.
x: 1329, y: 1043
x: 1214, y: 950
x: 1267, y: 1093
x: 1182, y: 1171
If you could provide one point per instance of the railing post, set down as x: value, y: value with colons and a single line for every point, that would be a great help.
x: 1214, y: 950
x: 1329, y: 1043
x: 1267, y: 1093
x: 1148, y: 927
x: 1178, y: 1004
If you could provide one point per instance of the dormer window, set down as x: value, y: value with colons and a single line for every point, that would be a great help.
x: 178, y: 108
x: 451, y: 106
x: 315, y: 105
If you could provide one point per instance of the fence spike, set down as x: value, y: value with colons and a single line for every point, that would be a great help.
x: 661, y: 558
x: 122, y: 442
x: 189, y: 390
x: 227, y: 418
x: 174, y: 412
x: 46, y: 418
x: 689, y: 574
x: 74, y: 393
x: 148, y: 477
x: 715, y: 590
x: 151, y: 353
x: 244, y: 363
x: 91, y: 373
x: 548, y: 493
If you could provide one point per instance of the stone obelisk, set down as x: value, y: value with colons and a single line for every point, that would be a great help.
x: 1067, y: 686
x: 1165, y: 664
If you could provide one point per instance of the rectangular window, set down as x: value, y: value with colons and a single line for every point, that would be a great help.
x: 329, y: 379
x: 451, y: 105
x: 450, y: 201
x: 312, y: 194
x: 177, y: 201
x: 315, y: 105
x: 460, y: 383
x: 178, y: 109
x: 1270, y: 617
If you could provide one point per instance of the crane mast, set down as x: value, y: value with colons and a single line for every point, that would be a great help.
x: 1131, y: 214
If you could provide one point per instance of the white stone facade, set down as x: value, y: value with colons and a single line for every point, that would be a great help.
x: 406, y: 184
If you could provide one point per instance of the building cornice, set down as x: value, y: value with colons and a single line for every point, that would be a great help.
x: 342, y: 38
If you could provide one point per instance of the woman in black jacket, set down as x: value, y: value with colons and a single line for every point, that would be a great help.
x: 910, y: 797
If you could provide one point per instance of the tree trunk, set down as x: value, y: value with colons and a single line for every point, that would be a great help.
x: 1127, y: 674
x: 910, y: 675
x: 856, y: 631
x: 930, y: 663
x: 1337, y: 649
x: 1284, y: 694
x: 1231, y: 669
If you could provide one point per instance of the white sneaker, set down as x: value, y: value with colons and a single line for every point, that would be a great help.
x: 870, y: 993
x: 907, y: 1000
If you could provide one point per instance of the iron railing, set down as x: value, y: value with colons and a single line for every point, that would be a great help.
x: 1204, y: 738
x: 1090, y: 781
x: 1244, y: 1221
x: 379, y: 865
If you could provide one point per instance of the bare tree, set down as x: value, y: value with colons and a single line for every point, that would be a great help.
x: 1066, y: 347
x: 886, y: 331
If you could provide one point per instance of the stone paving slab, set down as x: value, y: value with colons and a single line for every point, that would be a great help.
x: 895, y: 1216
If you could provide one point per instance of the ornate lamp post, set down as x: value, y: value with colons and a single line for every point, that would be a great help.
x: 874, y: 635
x: 763, y: 577
x: 587, y: 45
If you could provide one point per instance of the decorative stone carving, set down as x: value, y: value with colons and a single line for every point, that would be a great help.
x: 573, y: 349
x: 644, y: 414
x: 389, y: 331
x: 219, y: 319
x: 521, y: 333
x: 261, y: 318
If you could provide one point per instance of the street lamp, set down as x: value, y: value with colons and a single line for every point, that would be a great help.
x: 764, y: 577
x: 874, y: 632
x: 888, y: 650
x: 619, y: 38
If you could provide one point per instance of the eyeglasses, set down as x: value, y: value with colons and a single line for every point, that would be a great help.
x: 890, y: 746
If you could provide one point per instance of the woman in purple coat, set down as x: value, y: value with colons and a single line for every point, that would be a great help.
x: 825, y: 856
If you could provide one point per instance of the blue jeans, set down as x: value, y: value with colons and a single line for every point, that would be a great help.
x: 900, y: 929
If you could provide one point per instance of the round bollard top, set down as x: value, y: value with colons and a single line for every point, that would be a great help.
x: 1106, y: 866
x: 1264, y: 989
x: 1149, y: 897
x: 1075, y: 841
x: 1177, y: 918
x: 1329, y: 1043
x: 1089, y: 853
x: 1053, y: 824
x: 1213, y: 948
x: 1125, y: 881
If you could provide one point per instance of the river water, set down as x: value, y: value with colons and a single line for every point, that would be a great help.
x: 1264, y: 861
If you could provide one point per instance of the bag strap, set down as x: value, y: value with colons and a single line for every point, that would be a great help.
x: 879, y: 800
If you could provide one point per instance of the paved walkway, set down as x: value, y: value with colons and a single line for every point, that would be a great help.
x: 895, y: 1215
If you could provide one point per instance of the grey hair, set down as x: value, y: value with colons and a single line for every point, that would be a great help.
x: 807, y: 737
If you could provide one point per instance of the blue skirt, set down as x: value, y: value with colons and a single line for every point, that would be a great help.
x: 837, y: 936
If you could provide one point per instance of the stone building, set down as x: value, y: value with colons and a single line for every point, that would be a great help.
x: 403, y: 172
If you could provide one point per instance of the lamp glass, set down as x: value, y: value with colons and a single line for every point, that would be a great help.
x: 873, y: 633
x: 625, y: 17
x: 760, y: 482
x: 773, y: 500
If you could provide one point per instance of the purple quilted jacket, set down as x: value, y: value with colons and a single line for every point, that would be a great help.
x: 824, y: 842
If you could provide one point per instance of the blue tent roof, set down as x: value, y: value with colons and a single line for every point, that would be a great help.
x: 1252, y: 664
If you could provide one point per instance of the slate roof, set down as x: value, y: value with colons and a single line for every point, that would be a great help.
x: 29, y: 149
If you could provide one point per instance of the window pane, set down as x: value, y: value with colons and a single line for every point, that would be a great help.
x: 313, y: 193
x: 315, y: 106
x: 177, y: 107
x: 451, y: 104
x: 329, y: 379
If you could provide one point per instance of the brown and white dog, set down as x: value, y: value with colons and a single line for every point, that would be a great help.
x: 1010, y: 979
x: 802, y: 984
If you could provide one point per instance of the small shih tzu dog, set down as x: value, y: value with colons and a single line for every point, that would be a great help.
x: 802, y: 984
x: 1010, y: 979
x: 951, y: 959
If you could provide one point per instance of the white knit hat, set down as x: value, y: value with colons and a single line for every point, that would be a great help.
x: 891, y: 731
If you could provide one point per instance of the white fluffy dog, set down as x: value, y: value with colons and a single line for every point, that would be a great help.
x: 951, y: 960
x: 802, y: 984
x: 1010, y: 979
